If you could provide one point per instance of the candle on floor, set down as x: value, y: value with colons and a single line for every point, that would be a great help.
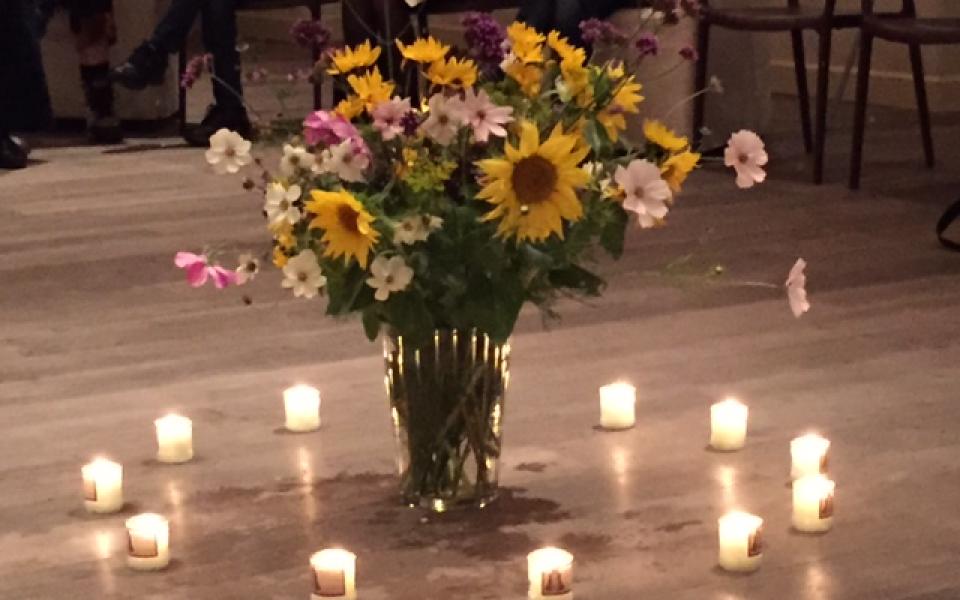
x: 174, y: 439
x: 302, y: 406
x: 148, y: 542
x: 334, y: 574
x: 550, y: 572
x: 618, y: 406
x: 813, y: 503
x: 741, y: 548
x: 808, y: 454
x: 728, y: 425
x: 102, y: 486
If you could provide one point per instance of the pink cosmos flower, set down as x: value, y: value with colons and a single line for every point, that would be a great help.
x: 746, y: 154
x: 388, y: 117
x: 443, y: 120
x: 797, y: 288
x: 322, y: 127
x: 645, y: 191
x: 199, y: 270
x: 485, y: 117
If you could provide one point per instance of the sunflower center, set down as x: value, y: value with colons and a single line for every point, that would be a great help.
x: 348, y: 218
x: 533, y: 179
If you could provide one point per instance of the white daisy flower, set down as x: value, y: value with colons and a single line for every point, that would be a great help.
x: 302, y: 273
x: 279, y: 204
x: 746, y: 154
x: 344, y: 161
x: 228, y: 152
x: 389, y: 275
x: 295, y: 158
x: 247, y: 268
x: 444, y: 120
x: 645, y: 192
x: 416, y: 229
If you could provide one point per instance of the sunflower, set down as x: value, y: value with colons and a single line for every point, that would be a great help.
x: 625, y: 100
x: 530, y: 77
x: 349, y: 108
x: 348, y: 59
x: 346, y: 224
x: 370, y: 88
x: 453, y: 72
x: 533, y: 186
x: 662, y: 136
x: 676, y: 168
x: 427, y: 50
x: 526, y: 43
x: 576, y: 79
x: 565, y: 50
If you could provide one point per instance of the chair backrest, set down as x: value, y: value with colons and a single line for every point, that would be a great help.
x: 829, y: 6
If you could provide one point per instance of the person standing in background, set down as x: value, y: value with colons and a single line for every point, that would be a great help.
x: 565, y: 15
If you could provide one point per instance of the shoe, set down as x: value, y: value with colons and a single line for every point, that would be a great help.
x: 147, y: 65
x: 12, y: 154
x: 234, y: 119
x: 104, y: 130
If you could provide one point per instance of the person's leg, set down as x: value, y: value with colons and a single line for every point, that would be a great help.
x: 94, y: 32
x: 27, y: 105
x: 148, y: 62
x: 219, y: 27
x: 171, y: 32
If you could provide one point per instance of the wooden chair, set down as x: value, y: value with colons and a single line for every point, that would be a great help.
x: 314, y: 6
x: 795, y: 19
x: 905, y: 28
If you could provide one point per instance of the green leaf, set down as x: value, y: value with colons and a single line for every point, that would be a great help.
x: 577, y: 278
x: 612, y: 234
x: 408, y: 314
x: 371, y: 323
x: 343, y: 289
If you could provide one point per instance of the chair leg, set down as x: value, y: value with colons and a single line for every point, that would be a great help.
x: 803, y: 93
x: 823, y: 82
x: 860, y: 109
x: 182, y: 99
x: 316, y: 12
x: 916, y: 61
x: 700, y: 82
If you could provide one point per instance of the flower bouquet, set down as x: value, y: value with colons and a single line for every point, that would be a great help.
x: 437, y: 221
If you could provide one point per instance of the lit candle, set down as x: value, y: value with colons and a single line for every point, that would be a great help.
x: 102, y: 486
x: 550, y: 571
x: 174, y: 439
x: 148, y: 542
x: 334, y: 574
x: 813, y: 503
x: 740, y: 545
x: 302, y: 406
x: 617, y: 406
x: 808, y: 455
x: 728, y: 425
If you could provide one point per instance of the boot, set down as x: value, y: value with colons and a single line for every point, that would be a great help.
x: 102, y: 126
x: 12, y: 154
x: 219, y: 117
x: 147, y: 65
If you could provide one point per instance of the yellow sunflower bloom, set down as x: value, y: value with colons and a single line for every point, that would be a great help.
x: 676, y: 168
x: 370, y: 88
x: 423, y: 50
x: 663, y: 136
x: 615, y: 70
x: 347, y: 226
x: 349, y: 108
x: 526, y: 43
x: 576, y: 78
x: 565, y: 50
x: 625, y: 100
x: 453, y: 72
x: 349, y: 59
x: 530, y: 77
x: 533, y: 187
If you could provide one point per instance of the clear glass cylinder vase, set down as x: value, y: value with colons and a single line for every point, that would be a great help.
x: 446, y: 400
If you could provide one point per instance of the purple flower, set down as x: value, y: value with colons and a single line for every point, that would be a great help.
x: 311, y: 34
x: 689, y: 53
x: 647, y: 44
x: 484, y: 37
x: 195, y: 68
x: 595, y: 30
x: 410, y: 123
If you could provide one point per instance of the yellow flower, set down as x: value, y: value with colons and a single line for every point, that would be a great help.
x: 279, y: 258
x: 348, y: 59
x: 346, y: 224
x: 349, y: 108
x: 533, y: 187
x: 529, y: 77
x: 407, y: 161
x: 625, y: 100
x: 370, y: 88
x: 676, y: 168
x: 576, y: 78
x: 526, y: 43
x: 423, y: 50
x: 565, y: 50
x: 453, y: 72
x: 615, y: 71
x: 663, y: 136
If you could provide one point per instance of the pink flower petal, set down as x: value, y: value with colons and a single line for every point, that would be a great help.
x: 185, y: 259
x: 197, y: 274
x: 221, y: 277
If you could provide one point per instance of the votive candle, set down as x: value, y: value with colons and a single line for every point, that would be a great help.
x: 741, y: 547
x: 302, y: 406
x: 102, y: 486
x: 728, y: 425
x: 148, y: 542
x: 550, y: 572
x: 334, y: 574
x: 618, y: 406
x: 808, y: 455
x: 174, y: 439
x: 813, y: 503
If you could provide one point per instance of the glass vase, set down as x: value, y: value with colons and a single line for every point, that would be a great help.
x: 446, y: 400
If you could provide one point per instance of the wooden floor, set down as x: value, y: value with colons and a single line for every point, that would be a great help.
x: 99, y: 335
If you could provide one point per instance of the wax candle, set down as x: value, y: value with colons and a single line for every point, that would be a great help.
x: 148, y: 542
x: 102, y: 486
x: 740, y: 543
x: 174, y: 439
x: 550, y: 572
x: 728, y: 425
x: 334, y: 574
x: 302, y: 405
x: 813, y: 503
x: 808, y: 455
x: 618, y: 406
